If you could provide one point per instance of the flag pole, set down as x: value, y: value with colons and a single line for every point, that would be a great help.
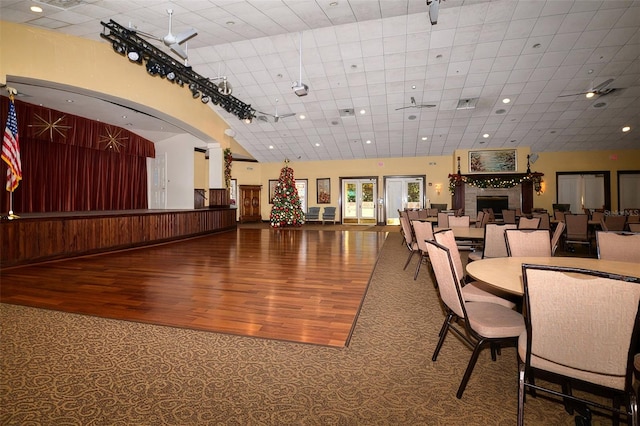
x: 11, y: 151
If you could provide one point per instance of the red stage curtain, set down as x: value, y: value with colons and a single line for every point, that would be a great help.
x: 83, y: 165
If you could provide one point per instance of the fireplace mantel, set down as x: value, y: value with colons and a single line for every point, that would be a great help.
x: 502, y: 180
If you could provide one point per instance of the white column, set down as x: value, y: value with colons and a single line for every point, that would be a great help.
x: 216, y: 165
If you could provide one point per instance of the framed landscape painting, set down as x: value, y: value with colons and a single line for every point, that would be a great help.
x: 493, y: 161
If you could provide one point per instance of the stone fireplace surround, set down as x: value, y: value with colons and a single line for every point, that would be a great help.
x: 472, y: 192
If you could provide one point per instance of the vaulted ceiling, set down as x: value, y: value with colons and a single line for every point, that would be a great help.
x: 370, y: 64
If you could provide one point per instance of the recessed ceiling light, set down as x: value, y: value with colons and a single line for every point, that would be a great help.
x: 36, y: 9
x: 368, y: 142
x: 412, y: 117
x: 270, y: 146
x: 486, y: 135
x: 512, y: 140
x: 70, y: 101
x: 501, y: 111
x: 333, y: 3
x: 438, y: 56
x: 481, y: 142
x: 590, y: 95
x: 424, y: 138
x: 413, y: 87
x: 354, y: 66
x: 302, y: 116
x: 317, y: 144
x: 626, y: 128
x: 231, y: 22
x: 506, y: 100
x: 362, y: 112
x: 124, y: 116
x: 537, y: 46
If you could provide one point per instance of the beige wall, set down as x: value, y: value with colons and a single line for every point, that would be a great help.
x: 436, y: 170
x: 91, y: 65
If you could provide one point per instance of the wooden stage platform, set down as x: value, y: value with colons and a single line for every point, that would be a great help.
x: 39, y: 237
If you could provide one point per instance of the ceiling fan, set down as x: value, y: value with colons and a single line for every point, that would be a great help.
x: 275, y: 116
x: 415, y: 105
x: 174, y: 42
x: 600, y: 90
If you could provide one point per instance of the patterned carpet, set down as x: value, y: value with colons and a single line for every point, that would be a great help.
x: 68, y: 369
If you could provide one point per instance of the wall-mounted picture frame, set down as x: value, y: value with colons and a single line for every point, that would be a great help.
x: 323, y: 187
x: 233, y: 193
x: 493, y: 161
x: 272, y: 189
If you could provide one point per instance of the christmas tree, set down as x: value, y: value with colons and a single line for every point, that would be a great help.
x: 286, y: 210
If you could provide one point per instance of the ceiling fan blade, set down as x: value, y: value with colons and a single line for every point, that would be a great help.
x: 177, y: 49
x: 602, y: 85
x: 186, y: 35
x: 405, y: 107
x: 425, y: 106
x: 573, y: 94
x: 290, y: 114
x: 265, y: 113
x: 146, y: 35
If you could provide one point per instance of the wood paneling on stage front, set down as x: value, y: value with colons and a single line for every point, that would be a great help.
x: 47, y: 237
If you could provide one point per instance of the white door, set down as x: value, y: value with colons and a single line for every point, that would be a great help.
x: 359, y: 206
x: 158, y: 199
x: 400, y: 194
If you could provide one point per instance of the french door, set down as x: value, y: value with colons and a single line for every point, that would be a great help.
x: 402, y: 193
x: 359, y: 206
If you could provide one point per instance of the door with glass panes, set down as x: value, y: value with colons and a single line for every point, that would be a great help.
x: 402, y: 193
x: 359, y: 206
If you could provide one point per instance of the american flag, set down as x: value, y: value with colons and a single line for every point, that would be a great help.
x: 11, y: 149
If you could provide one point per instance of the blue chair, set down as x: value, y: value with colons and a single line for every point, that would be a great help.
x: 329, y: 214
x: 313, y: 215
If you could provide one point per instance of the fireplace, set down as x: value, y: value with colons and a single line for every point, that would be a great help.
x: 495, y: 202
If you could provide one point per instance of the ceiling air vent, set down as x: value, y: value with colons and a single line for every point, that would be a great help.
x: 469, y: 103
x: 347, y: 112
x: 61, y: 4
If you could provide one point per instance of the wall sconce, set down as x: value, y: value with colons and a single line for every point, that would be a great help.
x: 537, y: 184
x: 438, y: 188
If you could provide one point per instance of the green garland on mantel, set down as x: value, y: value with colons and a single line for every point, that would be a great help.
x: 487, y: 182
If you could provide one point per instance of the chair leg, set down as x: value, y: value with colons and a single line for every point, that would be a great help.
x: 415, y: 276
x: 521, y: 388
x: 472, y: 364
x: 566, y: 389
x: 409, y: 259
x: 443, y: 334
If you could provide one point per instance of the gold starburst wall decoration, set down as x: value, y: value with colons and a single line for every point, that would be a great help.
x: 50, y: 126
x: 112, y: 139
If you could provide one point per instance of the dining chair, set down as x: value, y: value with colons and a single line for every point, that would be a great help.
x: 509, y: 216
x: 518, y: 212
x: 423, y: 214
x: 573, y: 339
x: 597, y: 216
x: 413, y: 214
x: 313, y: 215
x: 422, y: 230
x: 409, y: 237
x: 558, y: 215
x: 528, y: 223
x: 633, y: 218
x: 634, y: 227
x: 472, y: 291
x: 621, y: 246
x: 329, y: 214
x: 443, y: 220
x: 557, y: 235
x: 459, y: 221
x: 483, y: 324
x: 577, y: 230
x: 545, y: 222
x: 431, y: 212
x: 494, y: 242
x: 613, y: 223
x: 479, y: 218
x: 528, y: 242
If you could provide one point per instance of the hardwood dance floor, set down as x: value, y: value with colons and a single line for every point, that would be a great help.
x: 291, y: 284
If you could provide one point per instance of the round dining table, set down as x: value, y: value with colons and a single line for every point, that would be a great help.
x: 505, y: 273
x: 465, y: 233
